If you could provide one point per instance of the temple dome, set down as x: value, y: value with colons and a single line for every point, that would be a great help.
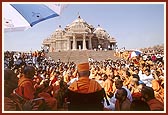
x: 79, y: 25
x: 101, y: 33
x: 59, y: 32
x: 59, y: 29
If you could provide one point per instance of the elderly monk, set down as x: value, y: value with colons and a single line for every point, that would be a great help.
x: 25, y: 85
x: 84, y: 84
x: 85, y: 94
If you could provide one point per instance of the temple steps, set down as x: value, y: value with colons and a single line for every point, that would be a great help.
x: 79, y: 56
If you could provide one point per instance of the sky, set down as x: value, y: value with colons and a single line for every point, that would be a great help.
x: 133, y: 26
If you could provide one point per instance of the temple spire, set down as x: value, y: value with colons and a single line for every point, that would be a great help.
x: 79, y: 15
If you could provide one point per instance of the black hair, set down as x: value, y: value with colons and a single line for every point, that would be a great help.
x: 136, y: 76
x: 148, y: 70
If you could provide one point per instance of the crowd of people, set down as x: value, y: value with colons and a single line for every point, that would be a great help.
x: 33, y: 81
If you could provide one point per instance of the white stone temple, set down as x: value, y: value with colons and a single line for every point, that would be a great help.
x: 79, y: 35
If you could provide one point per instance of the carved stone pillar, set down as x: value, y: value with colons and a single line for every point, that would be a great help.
x: 84, y: 42
x: 90, y: 42
x: 74, y: 43
x: 52, y: 47
x: 68, y: 43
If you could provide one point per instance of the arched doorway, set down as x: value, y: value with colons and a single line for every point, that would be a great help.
x: 79, y: 44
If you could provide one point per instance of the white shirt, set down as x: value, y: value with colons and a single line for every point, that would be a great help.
x: 147, y: 79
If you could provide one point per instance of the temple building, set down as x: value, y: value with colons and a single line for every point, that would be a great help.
x: 79, y: 35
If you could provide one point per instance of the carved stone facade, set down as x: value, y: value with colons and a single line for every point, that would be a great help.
x: 79, y: 35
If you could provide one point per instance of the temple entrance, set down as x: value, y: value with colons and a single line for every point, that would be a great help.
x: 79, y: 44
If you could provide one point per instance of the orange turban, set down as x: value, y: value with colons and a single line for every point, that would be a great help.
x: 83, y: 67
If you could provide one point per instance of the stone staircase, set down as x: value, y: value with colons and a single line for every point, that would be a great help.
x: 101, y: 55
x: 79, y: 56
